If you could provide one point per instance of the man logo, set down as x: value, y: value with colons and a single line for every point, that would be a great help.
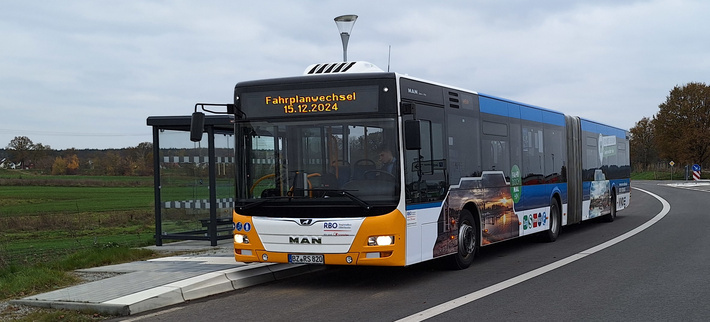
x: 304, y: 240
x: 306, y: 222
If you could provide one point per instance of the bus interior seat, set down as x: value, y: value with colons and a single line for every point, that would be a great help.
x: 343, y: 172
x: 361, y: 166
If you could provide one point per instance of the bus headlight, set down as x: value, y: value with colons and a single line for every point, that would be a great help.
x: 241, y: 239
x: 380, y: 240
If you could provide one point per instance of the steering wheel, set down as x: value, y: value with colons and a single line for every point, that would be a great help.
x: 364, y: 162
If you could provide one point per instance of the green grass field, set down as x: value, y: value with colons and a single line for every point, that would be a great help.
x: 40, y: 200
x: 44, y: 215
x: 50, y: 225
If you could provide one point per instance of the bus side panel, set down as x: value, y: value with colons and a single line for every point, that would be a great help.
x: 623, y: 192
x: 422, y: 231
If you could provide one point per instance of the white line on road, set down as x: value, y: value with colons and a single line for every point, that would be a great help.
x: 468, y: 298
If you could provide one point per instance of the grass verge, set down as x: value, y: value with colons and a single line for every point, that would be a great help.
x: 18, y: 280
x: 42, y: 315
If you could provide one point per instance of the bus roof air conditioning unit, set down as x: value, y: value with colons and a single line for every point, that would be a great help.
x: 343, y: 67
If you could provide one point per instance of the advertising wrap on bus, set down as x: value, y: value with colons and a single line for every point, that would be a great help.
x: 384, y: 169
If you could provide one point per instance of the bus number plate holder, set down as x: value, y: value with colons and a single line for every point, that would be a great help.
x: 305, y: 259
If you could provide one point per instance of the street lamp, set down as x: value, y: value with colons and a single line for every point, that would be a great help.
x: 345, y: 25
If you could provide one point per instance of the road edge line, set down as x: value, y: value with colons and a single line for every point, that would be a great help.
x: 468, y: 298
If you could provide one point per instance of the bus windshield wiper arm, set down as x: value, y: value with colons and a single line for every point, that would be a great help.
x: 252, y: 204
x: 355, y: 198
x: 347, y: 193
x: 344, y: 193
x: 263, y: 200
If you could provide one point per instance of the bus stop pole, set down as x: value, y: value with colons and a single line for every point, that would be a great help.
x: 156, y: 187
x: 212, y: 229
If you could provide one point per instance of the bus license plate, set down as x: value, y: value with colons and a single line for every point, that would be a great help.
x: 305, y: 259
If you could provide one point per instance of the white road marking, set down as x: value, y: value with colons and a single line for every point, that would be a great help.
x: 468, y: 298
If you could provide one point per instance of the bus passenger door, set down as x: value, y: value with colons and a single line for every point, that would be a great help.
x: 426, y: 180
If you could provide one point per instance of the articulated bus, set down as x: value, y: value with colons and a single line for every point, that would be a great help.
x: 351, y: 165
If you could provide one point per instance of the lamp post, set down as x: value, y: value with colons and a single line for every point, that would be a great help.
x: 345, y: 25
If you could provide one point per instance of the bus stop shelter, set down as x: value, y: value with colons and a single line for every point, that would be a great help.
x: 193, y: 181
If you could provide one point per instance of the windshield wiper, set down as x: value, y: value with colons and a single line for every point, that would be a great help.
x: 346, y: 193
x: 339, y: 192
x: 263, y: 200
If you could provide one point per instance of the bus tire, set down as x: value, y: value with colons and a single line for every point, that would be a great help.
x: 612, y: 213
x: 551, y: 234
x: 467, y: 241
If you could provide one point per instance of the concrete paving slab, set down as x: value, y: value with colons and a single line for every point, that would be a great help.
x: 147, y: 285
x: 204, y: 285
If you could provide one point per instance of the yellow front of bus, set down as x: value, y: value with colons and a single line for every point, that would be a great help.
x: 375, y: 240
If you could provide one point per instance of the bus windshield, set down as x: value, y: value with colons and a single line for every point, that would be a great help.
x: 347, y: 165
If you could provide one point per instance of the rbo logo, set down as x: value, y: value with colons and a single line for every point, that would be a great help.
x: 330, y: 225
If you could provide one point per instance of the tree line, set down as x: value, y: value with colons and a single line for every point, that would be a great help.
x: 22, y: 153
x: 679, y: 132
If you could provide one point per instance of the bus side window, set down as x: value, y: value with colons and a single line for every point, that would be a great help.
x: 425, y: 168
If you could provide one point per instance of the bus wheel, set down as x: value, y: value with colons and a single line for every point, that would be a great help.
x: 467, y: 241
x: 612, y: 214
x: 555, y: 222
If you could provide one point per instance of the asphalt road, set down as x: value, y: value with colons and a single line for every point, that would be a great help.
x: 660, y: 273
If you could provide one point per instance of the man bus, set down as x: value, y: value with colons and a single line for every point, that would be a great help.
x: 472, y: 169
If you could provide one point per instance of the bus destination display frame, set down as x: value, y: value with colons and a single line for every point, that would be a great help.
x: 310, y: 101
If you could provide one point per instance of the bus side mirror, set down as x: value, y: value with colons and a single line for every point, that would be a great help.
x: 412, y: 135
x: 197, y: 126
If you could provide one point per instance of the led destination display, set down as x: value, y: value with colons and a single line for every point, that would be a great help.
x: 338, y: 100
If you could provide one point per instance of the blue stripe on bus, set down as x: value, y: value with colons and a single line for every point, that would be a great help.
x: 499, y: 106
x: 553, y: 118
x: 424, y: 205
x: 493, y: 106
x: 591, y: 126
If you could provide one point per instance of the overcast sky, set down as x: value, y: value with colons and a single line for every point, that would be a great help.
x: 87, y: 74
